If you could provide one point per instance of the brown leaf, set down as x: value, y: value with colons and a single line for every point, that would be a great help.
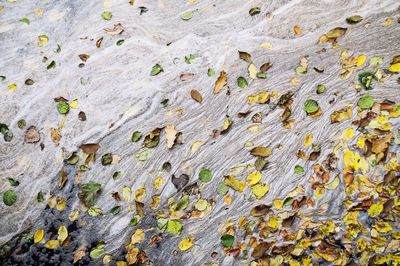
x: 261, y: 151
x: 196, y: 95
x: 79, y: 253
x: 63, y: 179
x: 55, y: 135
x: 260, y: 250
x: 265, y: 67
x: 186, y: 76
x: 245, y: 56
x: 220, y: 82
x: 98, y: 42
x: 32, y: 135
x: 260, y: 210
x: 139, y: 208
x: 84, y: 57
x: 117, y: 29
x: 297, y: 30
x: 90, y: 148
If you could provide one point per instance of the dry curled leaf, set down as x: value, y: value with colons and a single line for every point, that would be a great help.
x: 220, y: 82
x: 55, y: 135
x: 186, y: 76
x: 245, y: 56
x: 117, y: 29
x: 195, y: 94
x: 84, y: 57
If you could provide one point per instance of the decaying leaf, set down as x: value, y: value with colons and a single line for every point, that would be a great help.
x: 32, y: 135
x: 90, y: 148
x: 171, y: 134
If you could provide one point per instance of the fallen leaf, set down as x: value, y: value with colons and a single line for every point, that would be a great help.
x: 261, y: 151
x: 245, y: 56
x: 38, y: 236
x: 220, y: 82
x: 195, y: 94
x: 186, y: 244
x: 116, y: 30
x: 171, y: 134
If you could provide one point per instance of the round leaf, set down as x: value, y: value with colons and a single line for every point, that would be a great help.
x: 205, y: 175
x: 9, y: 197
x: 227, y: 240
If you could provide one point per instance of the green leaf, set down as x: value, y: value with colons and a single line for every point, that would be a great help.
x: 40, y: 197
x: 134, y: 221
x: 227, y: 240
x: 205, y: 175
x: 260, y: 164
x: 242, y: 82
x: 301, y: 70
x: 13, y: 182
x: 117, y: 175
x: 365, y: 102
x: 136, y: 136
x: 9, y: 197
x: 187, y: 15
x: 51, y: 65
x: 106, y: 159
x: 354, y: 19
x: 189, y: 58
x: 94, y: 211
x: 182, y: 203
x: 365, y: 78
x: 157, y: 69
x: 25, y: 20
x: 299, y: 170
x: 321, y: 88
x: 97, y: 251
x: 21, y: 123
x: 174, y: 227
x: 254, y: 11
x: 106, y: 15
x: 120, y: 42
x: 143, y: 155
x: 88, y: 193
x: 222, y: 189
x: 311, y: 106
x: 73, y: 159
x: 210, y: 72
x: 116, y: 210
x: 63, y: 108
x: 261, y: 75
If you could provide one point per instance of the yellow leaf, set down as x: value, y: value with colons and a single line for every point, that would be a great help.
x: 254, y: 178
x: 139, y: 194
x: 395, y: 67
x: 228, y: 199
x: 186, y: 243
x: 278, y: 204
x: 38, y: 11
x: 261, y: 151
x: 52, y: 244
x: 319, y: 192
x: 260, y: 98
x: 361, y: 60
x: 106, y: 259
x: 375, y: 209
x: 74, y: 104
x: 42, y: 40
x: 334, y: 184
x: 126, y: 193
x: 308, y: 140
x: 234, y: 183
x: 12, y: 87
x: 137, y: 237
x: 158, y: 182
x: 252, y: 71
x: 38, y: 236
x: 73, y: 215
x: 220, y: 82
x: 259, y: 190
x: 266, y: 45
x: 196, y: 145
x: 348, y: 134
x: 201, y: 204
x: 62, y: 233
